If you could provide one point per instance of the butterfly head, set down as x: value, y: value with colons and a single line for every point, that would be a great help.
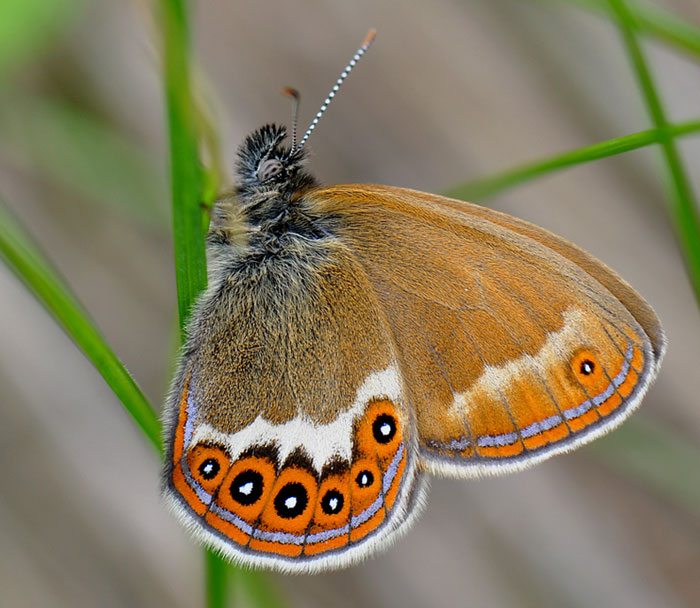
x: 268, y: 168
x: 270, y: 176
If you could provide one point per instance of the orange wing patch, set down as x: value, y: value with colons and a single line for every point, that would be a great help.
x: 242, y: 497
x: 330, y: 527
x: 595, y: 398
x: 373, y: 480
x: 197, y: 472
x: 542, y: 401
x: 257, y: 506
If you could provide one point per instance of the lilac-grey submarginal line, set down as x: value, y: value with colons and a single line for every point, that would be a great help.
x: 573, y: 412
x: 358, y: 520
x: 552, y: 421
x: 497, y: 441
x: 319, y: 537
x: 285, y: 538
x: 388, y: 478
x: 233, y: 519
x: 190, y: 412
x: 455, y: 445
x: 203, y: 495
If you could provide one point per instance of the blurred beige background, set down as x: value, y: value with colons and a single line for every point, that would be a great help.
x: 449, y: 92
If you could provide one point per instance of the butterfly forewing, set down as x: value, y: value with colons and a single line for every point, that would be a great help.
x: 513, y: 344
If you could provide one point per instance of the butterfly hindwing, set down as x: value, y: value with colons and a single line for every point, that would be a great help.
x: 513, y: 344
x: 289, y: 440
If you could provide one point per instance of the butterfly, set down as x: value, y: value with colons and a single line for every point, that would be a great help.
x: 354, y: 339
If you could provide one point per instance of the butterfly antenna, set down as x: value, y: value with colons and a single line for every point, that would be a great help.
x: 356, y: 57
x: 294, y: 94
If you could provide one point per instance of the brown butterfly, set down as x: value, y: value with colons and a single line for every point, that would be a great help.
x: 355, y: 338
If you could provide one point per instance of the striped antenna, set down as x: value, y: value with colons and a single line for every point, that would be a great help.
x: 294, y: 94
x: 356, y: 57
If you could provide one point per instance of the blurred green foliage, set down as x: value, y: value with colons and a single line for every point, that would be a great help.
x: 28, y: 27
x: 84, y: 154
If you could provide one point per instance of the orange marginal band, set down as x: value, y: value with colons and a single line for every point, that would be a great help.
x: 369, y: 488
x: 381, y: 463
x: 603, y: 402
x: 277, y: 531
x: 180, y: 481
x: 188, y: 481
x: 330, y: 531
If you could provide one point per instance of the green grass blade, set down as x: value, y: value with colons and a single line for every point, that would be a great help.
x: 27, y: 262
x: 187, y: 203
x: 216, y: 573
x: 654, y: 21
x: 185, y: 169
x: 683, y: 207
x: 260, y: 592
x: 666, y: 27
x: 488, y: 186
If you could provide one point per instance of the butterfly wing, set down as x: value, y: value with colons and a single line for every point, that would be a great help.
x: 513, y: 343
x: 289, y: 441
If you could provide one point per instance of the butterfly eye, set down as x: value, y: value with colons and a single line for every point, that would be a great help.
x: 384, y: 428
x: 332, y: 502
x: 247, y: 487
x: 291, y: 500
x: 269, y: 169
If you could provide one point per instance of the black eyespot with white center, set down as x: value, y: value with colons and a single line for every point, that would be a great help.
x: 209, y: 468
x: 384, y: 428
x: 247, y: 487
x: 332, y: 502
x: 291, y: 500
x: 364, y: 479
x: 587, y: 367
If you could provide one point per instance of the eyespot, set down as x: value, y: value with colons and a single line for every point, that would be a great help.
x: 364, y: 479
x: 269, y: 169
x: 247, y: 487
x: 379, y: 433
x: 208, y: 465
x: 332, y: 502
x: 587, y: 367
x: 384, y: 428
x: 209, y: 468
x: 291, y: 500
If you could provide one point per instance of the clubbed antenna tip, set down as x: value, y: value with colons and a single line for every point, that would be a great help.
x: 369, y: 38
x: 294, y: 94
